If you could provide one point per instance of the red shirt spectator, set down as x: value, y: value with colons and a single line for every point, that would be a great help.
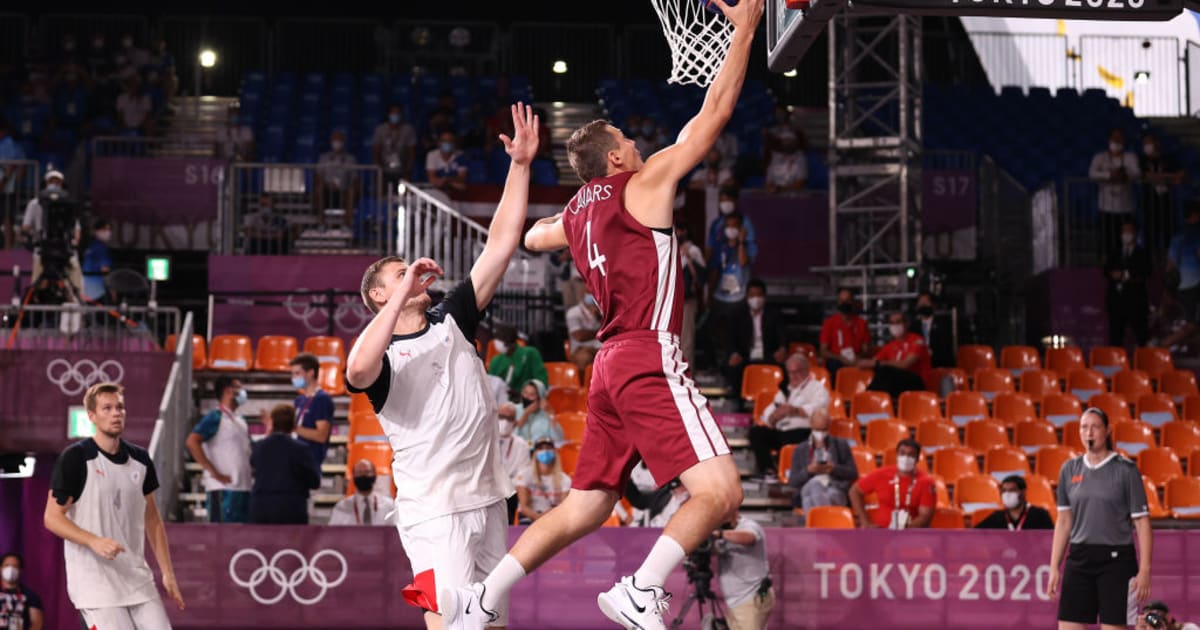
x: 883, y: 482
x: 844, y: 330
x: 909, y: 345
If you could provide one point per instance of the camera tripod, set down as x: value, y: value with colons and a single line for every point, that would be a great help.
x: 700, y: 577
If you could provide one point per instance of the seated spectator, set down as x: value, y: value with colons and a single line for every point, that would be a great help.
x: 711, y: 173
x: 264, y: 230
x: 444, y: 165
x: 284, y: 472
x: 134, y: 107
x: 97, y: 260
x: 1156, y: 616
x: 1017, y: 515
x: 907, y: 496
x: 787, y: 420
x: 788, y: 169
x: 367, y: 506
x: 314, y: 417
x: 514, y: 453
x: 337, y: 184
x: 220, y: 443
x: 392, y: 146
x: 727, y: 202
x: 823, y: 469
x: 234, y: 141
x: 583, y: 322
x: 516, y: 364
x: 545, y: 485
x: 902, y: 364
x: 844, y: 335
x: 936, y: 330
x: 536, y: 419
x: 19, y: 606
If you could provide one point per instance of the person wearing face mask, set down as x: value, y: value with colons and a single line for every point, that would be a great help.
x: 536, y: 419
x: 1017, y: 514
x: 787, y: 171
x: 935, y: 330
x: 33, y: 226
x: 800, y: 401
x: 392, y: 146
x: 844, y: 335
x: 265, y: 231
x: 514, y: 453
x: 902, y: 364
x: 1114, y: 171
x: 284, y: 472
x: 727, y: 201
x: 336, y: 182
x: 1162, y: 174
x: 445, y: 166
x: 583, y: 322
x: 695, y: 273
x: 757, y: 337
x: 712, y: 173
x: 544, y: 485
x: 97, y: 260
x: 822, y: 468
x: 1183, y: 274
x: 728, y: 279
x: 220, y: 443
x: 314, y: 406
x: 20, y: 608
x: 907, y: 495
x: 515, y: 363
x: 1127, y: 298
x: 235, y: 140
x: 368, y: 505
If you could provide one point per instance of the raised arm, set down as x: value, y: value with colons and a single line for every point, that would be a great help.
x: 547, y: 235
x: 366, y: 357
x: 504, y: 234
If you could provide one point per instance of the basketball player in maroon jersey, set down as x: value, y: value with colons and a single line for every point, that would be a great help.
x: 642, y: 403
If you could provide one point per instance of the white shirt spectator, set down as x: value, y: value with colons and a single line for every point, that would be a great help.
x: 580, y: 318
x: 514, y: 455
x: 134, y: 109
x: 332, y: 167
x: 357, y: 509
x: 786, y: 169
x: 709, y: 177
x: 542, y: 493
x: 394, y: 143
x: 1115, y: 197
x: 443, y: 165
x: 234, y: 141
x: 809, y: 396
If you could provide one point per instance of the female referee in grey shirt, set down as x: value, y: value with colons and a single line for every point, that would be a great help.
x: 1099, y: 495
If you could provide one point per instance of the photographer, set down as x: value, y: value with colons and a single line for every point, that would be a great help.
x: 54, y: 233
x: 744, y: 573
x: 1156, y: 616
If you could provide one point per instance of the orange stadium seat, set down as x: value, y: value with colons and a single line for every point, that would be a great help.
x: 983, y: 435
x: 1049, y: 460
x: 1039, y: 383
x: 952, y: 463
x: 1183, y: 437
x: 1114, y: 405
x: 882, y: 435
x: 1108, y: 360
x: 1191, y: 407
x: 199, y: 355
x: 1160, y: 464
x: 758, y: 377
x: 1058, y: 409
x: 992, y: 381
x: 1131, y: 385
x: 935, y: 435
x: 568, y: 454
x: 329, y: 378
x: 1063, y: 360
x: 1032, y: 435
x: 963, y: 407
x: 365, y: 427
x: 942, y: 492
x: 378, y: 453
x: 1086, y: 383
x: 1152, y: 501
x: 948, y: 518
x: 1039, y: 492
x: 1153, y: 361
x: 821, y: 375
x: 1178, y: 384
x: 837, y: 406
x: 958, y: 377
x: 868, y: 406
x: 562, y: 399
x: 573, y: 424
x: 1070, y: 435
x: 1017, y: 359
x: 829, y: 517
x: 1193, y: 466
x: 1010, y: 407
x: 807, y: 349
x: 762, y: 400
x: 230, y: 353
x: 1182, y: 497
x: 326, y: 349
x: 971, y: 358
x: 864, y: 459
x: 1002, y: 461
x: 846, y: 428
x: 587, y: 376
x: 851, y: 380
x: 1132, y: 436
x: 1156, y: 409
x: 274, y: 352
x: 562, y: 374
x: 785, y: 461
x: 977, y: 492
x: 917, y: 406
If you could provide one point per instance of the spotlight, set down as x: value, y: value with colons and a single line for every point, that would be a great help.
x: 790, y: 73
x: 1141, y: 77
x: 208, y: 58
x: 560, y: 67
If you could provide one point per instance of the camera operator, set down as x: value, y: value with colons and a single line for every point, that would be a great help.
x: 1156, y: 616
x: 55, y: 243
x: 744, y: 573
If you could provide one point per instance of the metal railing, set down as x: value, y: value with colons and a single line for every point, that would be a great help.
x: 328, y: 312
x: 1192, y: 63
x: 427, y: 226
x: 77, y: 327
x: 305, y: 208
x: 171, y: 426
x: 1090, y: 235
x: 140, y: 147
x: 22, y: 179
x: 1024, y: 59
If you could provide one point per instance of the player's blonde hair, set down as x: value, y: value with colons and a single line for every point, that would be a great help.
x: 94, y: 392
x: 587, y: 150
x: 370, y: 280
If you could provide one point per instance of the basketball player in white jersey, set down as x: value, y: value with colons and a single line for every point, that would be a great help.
x: 420, y: 369
x: 102, y: 505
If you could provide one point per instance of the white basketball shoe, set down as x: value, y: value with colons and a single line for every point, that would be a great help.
x: 633, y: 607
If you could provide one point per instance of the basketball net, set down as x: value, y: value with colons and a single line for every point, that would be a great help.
x: 698, y: 38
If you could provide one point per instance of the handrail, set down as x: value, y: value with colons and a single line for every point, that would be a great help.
x: 174, y: 412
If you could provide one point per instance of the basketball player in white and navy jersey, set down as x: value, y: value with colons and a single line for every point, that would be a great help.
x: 102, y: 505
x: 420, y: 369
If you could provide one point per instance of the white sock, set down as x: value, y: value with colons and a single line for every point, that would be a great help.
x: 500, y: 581
x: 664, y: 557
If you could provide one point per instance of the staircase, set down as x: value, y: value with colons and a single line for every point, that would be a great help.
x: 563, y: 119
x: 190, y: 128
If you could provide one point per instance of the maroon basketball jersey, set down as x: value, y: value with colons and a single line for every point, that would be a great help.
x: 633, y: 271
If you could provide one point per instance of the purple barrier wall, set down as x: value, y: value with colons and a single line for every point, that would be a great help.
x: 37, y: 387
x: 297, y: 316
x: 156, y: 191
x: 1067, y: 301
x: 792, y: 232
x: 949, y: 213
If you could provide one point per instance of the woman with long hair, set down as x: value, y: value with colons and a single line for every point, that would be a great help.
x: 545, y: 485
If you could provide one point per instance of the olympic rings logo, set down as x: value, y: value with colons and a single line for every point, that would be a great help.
x: 350, y: 314
x: 74, y: 379
x: 286, y: 583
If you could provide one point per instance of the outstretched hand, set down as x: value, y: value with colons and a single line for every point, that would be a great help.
x: 524, y: 143
x: 745, y: 14
x: 419, y: 275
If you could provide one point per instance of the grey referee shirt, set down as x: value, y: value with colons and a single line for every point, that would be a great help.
x: 1103, y: 499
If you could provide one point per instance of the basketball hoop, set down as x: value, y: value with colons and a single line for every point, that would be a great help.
x: 699, y: 39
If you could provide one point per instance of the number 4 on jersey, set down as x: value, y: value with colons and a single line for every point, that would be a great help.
x: 596, y: 260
